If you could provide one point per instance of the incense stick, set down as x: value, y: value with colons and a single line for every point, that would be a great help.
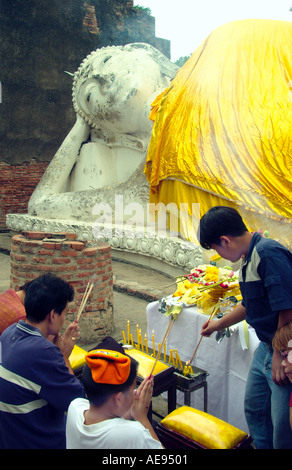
x: 202, y: 288
x: 84, y: 300
x: 173, y: 283
x: 197, y: 347
x: 168, y: 330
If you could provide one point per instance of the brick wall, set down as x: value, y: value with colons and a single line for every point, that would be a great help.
x: 77, y: 262
x: 17, y: 183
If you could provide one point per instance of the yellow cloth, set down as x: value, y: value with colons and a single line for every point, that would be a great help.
x: 77, y: 357
x: 146, y: 363
x: 222, y: 132
x: 207, y: 430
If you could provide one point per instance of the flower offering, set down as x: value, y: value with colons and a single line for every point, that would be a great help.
x: 203, y: 286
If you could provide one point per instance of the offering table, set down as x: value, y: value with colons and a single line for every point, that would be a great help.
x: 227, y: 362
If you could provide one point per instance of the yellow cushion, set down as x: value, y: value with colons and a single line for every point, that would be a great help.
x: 207, y: 430
x: 146, y: 363
x: 77, y: 357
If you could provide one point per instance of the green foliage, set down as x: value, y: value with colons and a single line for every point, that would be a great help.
x: 147, y: 11
x: 182, y: 60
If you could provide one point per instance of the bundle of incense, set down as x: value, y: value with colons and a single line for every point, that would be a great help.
x: 168, y: 330
x: 202, y: 288
x: 197, y: 347
x: 84, y: 300
x: 175, y: 282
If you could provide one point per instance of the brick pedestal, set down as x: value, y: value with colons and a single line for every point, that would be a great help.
x: 77, y: 262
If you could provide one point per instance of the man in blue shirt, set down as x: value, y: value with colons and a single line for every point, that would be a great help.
x: 266, y: 285
x: 37, y: 383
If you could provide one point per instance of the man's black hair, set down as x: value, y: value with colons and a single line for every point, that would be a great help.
x: 25, y: 286
x: 46, y: 293
x: 219, y: 221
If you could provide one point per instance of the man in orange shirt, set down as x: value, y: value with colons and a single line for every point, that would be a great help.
x: 12, y: 306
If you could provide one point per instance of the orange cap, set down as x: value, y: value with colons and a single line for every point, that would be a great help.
x: 108, y: 367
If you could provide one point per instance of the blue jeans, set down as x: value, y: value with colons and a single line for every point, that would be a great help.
x: 267, y: 404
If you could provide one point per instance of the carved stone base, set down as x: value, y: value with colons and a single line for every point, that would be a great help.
x: 170, y: 251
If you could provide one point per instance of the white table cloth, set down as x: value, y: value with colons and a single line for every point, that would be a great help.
x: 227, y: 363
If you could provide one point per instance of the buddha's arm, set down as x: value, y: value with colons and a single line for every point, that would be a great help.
x: 60, y: 167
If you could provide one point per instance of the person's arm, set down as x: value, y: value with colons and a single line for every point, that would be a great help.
x: 235, y: 316
x: 278, y: 373
x: 141, y: 404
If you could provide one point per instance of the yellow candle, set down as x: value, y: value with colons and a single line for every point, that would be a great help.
x: 153, y: 342
x: 128, y: 326
x: 146, y: 343
x: 138, y: 338
x: 141, y: 341
x: 186, y: 370
x: 159, y: 348
x: 190, y: 370
x: 178, y: 360
x: 132, y: 341
x: 124, y: 337
x: 164, y: 352
x: 171, y: 360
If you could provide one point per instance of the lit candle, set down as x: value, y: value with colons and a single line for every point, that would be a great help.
x: 153, y: 342
x: 128, y: 326
x: 138, y: 338
x: 124, y: 337
x: 191, y: 370
x: 141, y: 341
x: 146, y: 343
x: 164, y: 352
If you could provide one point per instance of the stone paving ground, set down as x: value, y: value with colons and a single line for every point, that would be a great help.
x: 134, y: 288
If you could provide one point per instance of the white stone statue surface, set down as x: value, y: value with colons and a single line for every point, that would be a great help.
x: 102, y: 159
x: 112, y: 94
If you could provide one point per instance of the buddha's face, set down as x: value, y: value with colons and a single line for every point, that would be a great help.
x: 119, y: 89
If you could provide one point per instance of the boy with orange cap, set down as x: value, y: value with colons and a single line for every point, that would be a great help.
x: 115, y: 414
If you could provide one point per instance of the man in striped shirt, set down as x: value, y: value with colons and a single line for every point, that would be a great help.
x: 36, y: 380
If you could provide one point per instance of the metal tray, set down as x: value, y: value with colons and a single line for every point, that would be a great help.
x: 188, y: 381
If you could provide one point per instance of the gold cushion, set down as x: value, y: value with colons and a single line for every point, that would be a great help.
x: 77, y: 357
x: 146, y: 363
x: 207, y: 430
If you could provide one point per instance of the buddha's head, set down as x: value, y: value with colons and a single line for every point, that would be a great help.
x: 114, y: 87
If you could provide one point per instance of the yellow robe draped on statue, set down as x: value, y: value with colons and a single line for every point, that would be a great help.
x: 222, y: 132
